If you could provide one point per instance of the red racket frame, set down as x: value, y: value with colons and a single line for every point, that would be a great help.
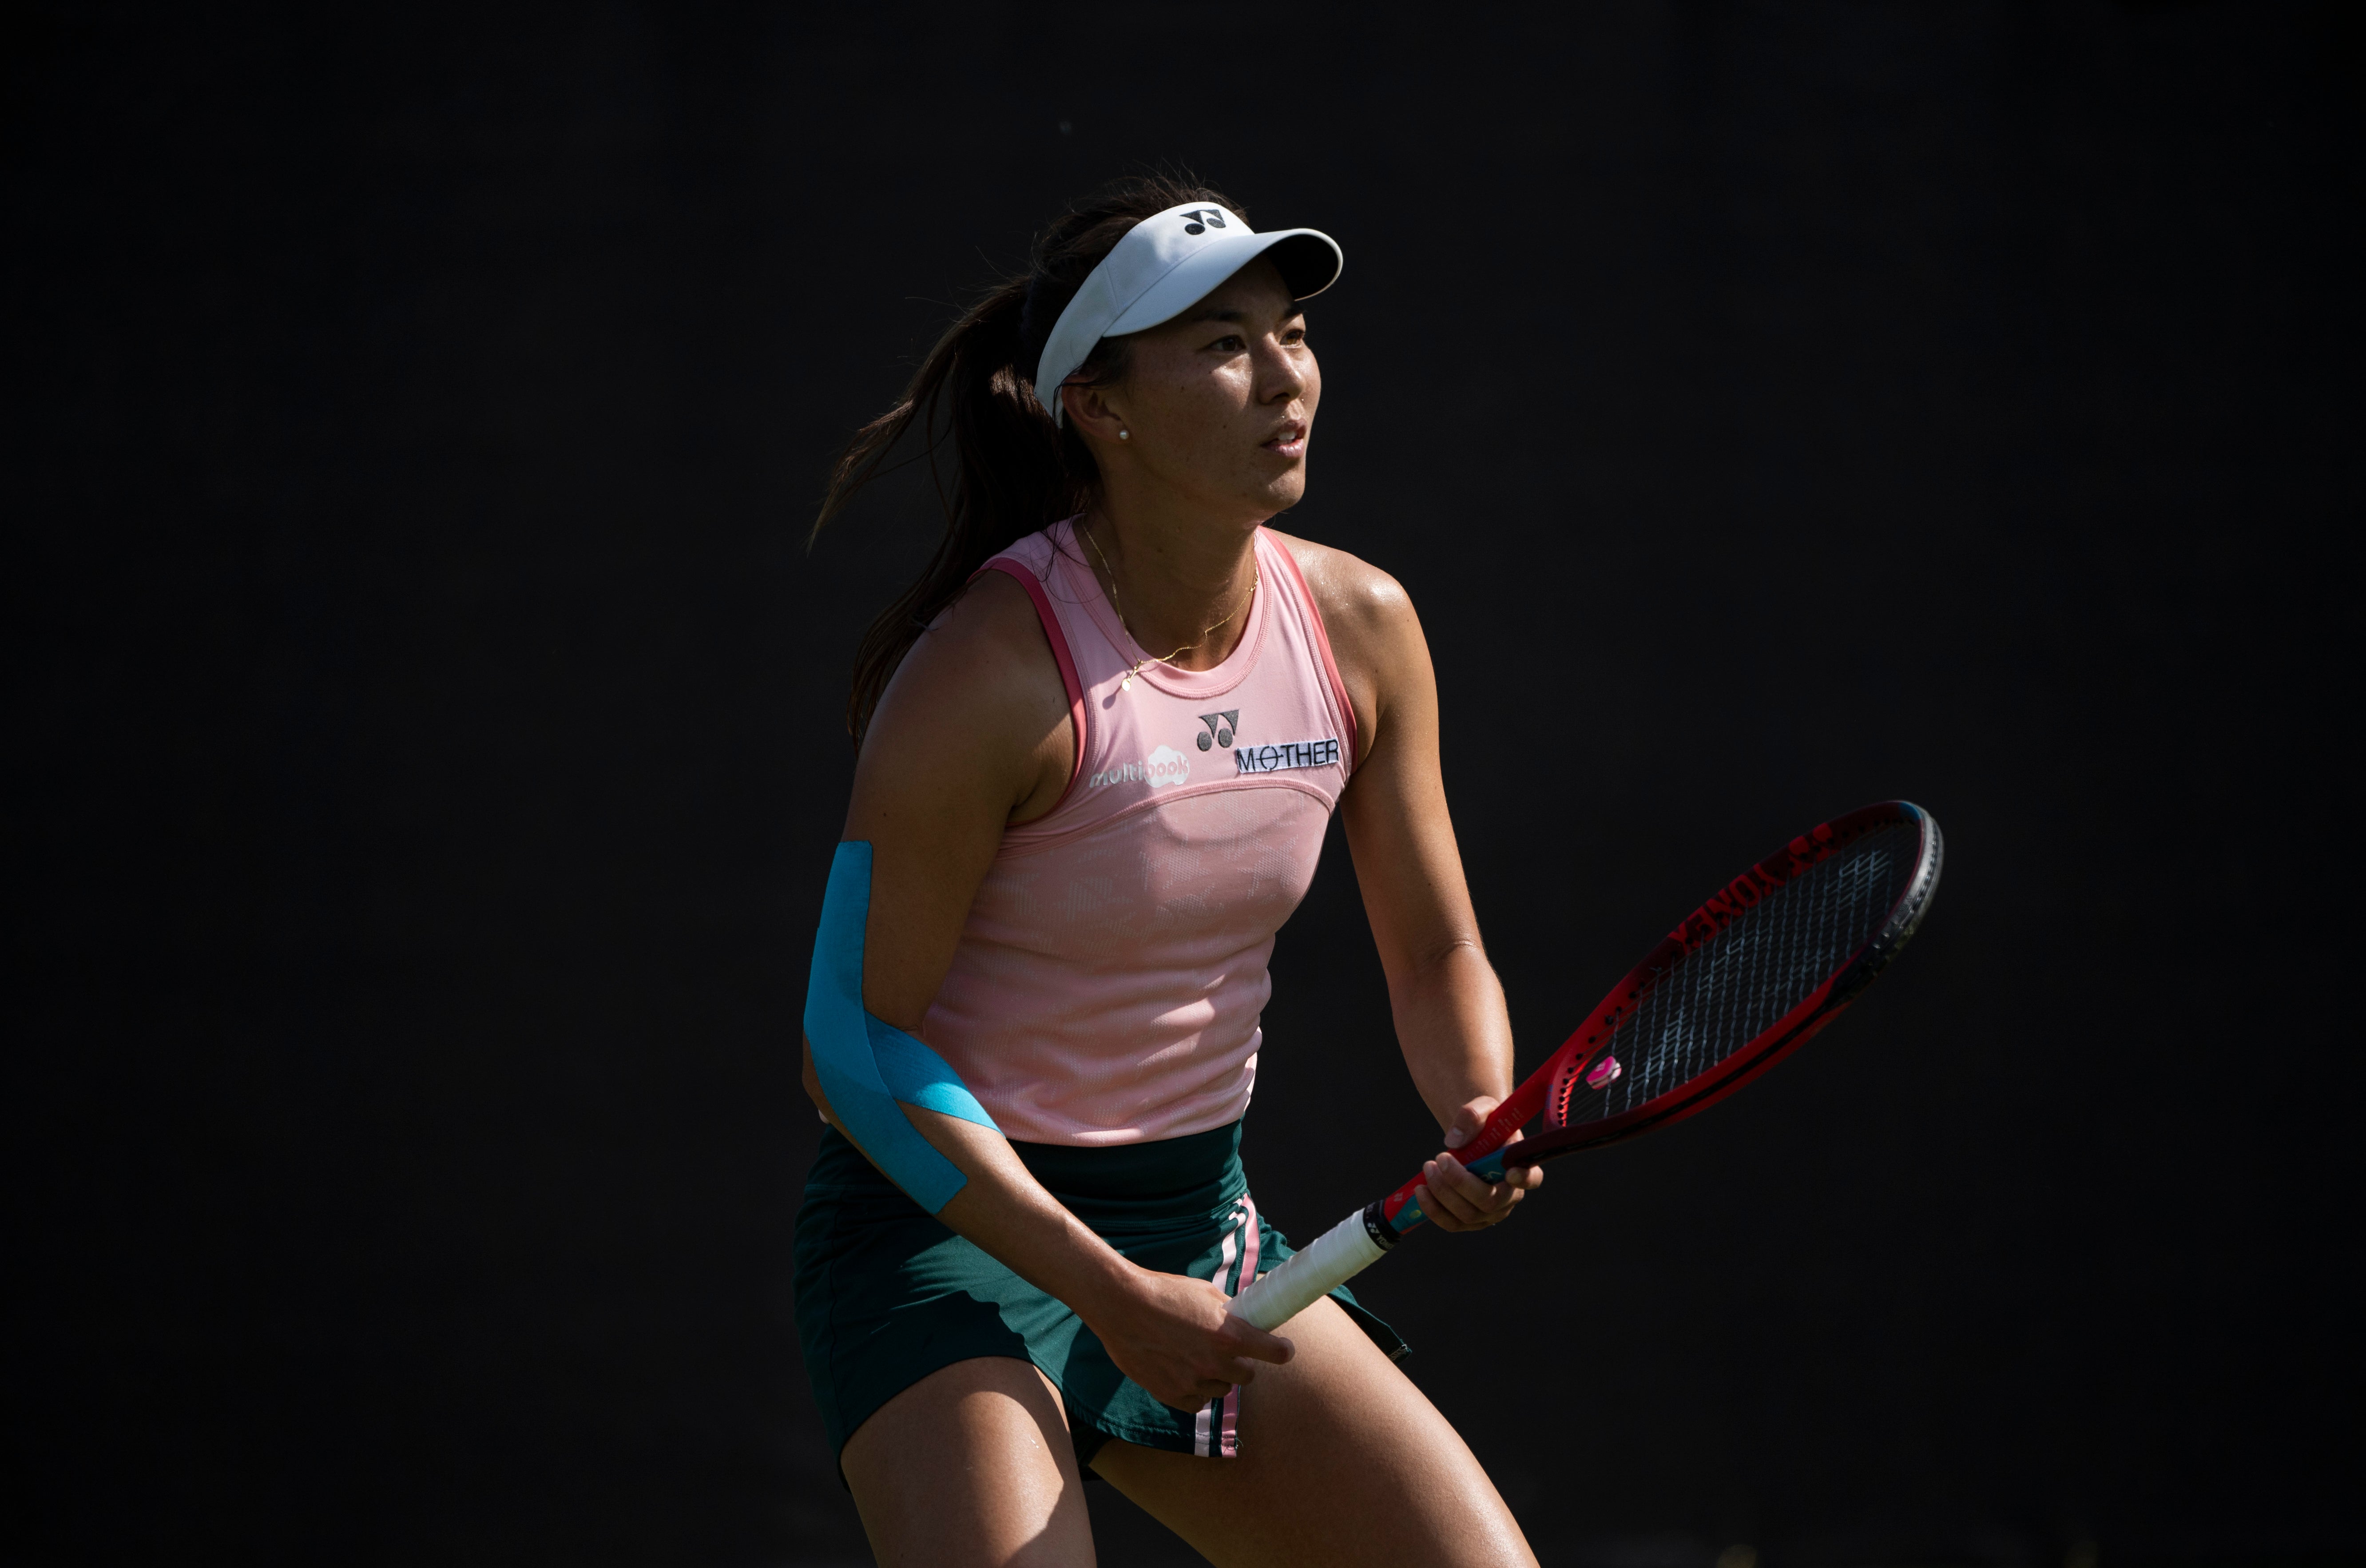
x: 1546, y: 1090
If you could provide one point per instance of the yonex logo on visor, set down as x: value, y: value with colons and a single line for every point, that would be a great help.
x: 1160, y: 269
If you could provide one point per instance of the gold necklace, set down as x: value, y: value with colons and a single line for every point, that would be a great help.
x: 1256, y: 580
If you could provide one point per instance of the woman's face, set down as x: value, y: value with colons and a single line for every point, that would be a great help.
x: 1218, y: 403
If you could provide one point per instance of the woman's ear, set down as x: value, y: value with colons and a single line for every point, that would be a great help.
x: 1088, y: 409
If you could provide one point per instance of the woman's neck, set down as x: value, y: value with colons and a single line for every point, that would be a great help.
x: 1181, y: 586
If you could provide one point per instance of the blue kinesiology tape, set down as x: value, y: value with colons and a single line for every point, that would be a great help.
x: 866, y: 1064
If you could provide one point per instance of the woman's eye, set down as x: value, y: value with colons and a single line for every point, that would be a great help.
x: 1229, y: 344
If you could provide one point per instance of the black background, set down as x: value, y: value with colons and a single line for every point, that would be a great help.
x: 424, y: 738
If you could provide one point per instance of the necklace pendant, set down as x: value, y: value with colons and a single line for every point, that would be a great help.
x: 1126, y: 685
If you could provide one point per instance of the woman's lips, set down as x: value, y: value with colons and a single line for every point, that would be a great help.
x: 1290, y: 443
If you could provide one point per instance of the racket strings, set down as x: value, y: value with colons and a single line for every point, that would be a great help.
x: 1734, y: 987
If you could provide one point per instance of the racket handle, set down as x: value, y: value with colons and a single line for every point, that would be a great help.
x: 1335, y: 1257
x: 1525, y: 1104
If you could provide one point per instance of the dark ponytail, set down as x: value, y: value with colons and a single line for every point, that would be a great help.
x: 1015, y: 471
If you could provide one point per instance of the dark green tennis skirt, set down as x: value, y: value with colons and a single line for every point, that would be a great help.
x: 886, y: 1294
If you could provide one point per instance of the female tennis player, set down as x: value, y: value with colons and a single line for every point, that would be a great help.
x: 1099, y: 742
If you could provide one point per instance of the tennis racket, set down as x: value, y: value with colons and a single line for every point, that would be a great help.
x: 1748, y: 978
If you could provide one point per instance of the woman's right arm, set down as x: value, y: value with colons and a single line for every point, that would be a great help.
x: 973, y: 733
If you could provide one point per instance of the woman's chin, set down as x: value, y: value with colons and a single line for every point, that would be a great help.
x: 1286, y: 489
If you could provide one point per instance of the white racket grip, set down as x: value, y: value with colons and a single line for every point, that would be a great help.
x: 1337, y: 1256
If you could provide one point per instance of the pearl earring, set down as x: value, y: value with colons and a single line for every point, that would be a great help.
x: 1124, y: 434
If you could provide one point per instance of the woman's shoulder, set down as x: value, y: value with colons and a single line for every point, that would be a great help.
x: 980, y: 685
x: 988, y: 647
x: 1363, y: 608
x: 1375, y: 636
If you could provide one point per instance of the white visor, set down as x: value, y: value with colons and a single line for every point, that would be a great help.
x: 1166, y: 263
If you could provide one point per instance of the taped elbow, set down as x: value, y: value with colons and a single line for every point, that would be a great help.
x: 860, y: 1070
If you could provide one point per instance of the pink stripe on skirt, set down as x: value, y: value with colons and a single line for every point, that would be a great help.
x: 1230, y: 1440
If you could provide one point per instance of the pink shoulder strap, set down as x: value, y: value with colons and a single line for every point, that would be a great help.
x: 1018, y: 573
x: 1322, y: 647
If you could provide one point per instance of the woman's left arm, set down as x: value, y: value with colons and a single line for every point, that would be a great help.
x: 1449, y: 1006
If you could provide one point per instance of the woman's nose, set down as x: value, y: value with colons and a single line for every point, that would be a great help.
x: 1278, y: 375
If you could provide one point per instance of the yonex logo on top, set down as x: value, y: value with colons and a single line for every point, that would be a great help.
x: 1220, y: 728
x: 1199, y: 219
x: 1286, y: 756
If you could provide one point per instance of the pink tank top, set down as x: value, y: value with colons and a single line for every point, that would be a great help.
x: 1109, y: 980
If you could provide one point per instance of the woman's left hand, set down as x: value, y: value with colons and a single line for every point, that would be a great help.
x: 1457, y: 1200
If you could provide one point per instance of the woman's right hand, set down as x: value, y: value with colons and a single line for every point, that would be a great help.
x: 1174, y: 1337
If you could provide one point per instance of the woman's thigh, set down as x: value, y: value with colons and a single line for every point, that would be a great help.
x: 1342, y: 1461
x: 972, y: 1465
